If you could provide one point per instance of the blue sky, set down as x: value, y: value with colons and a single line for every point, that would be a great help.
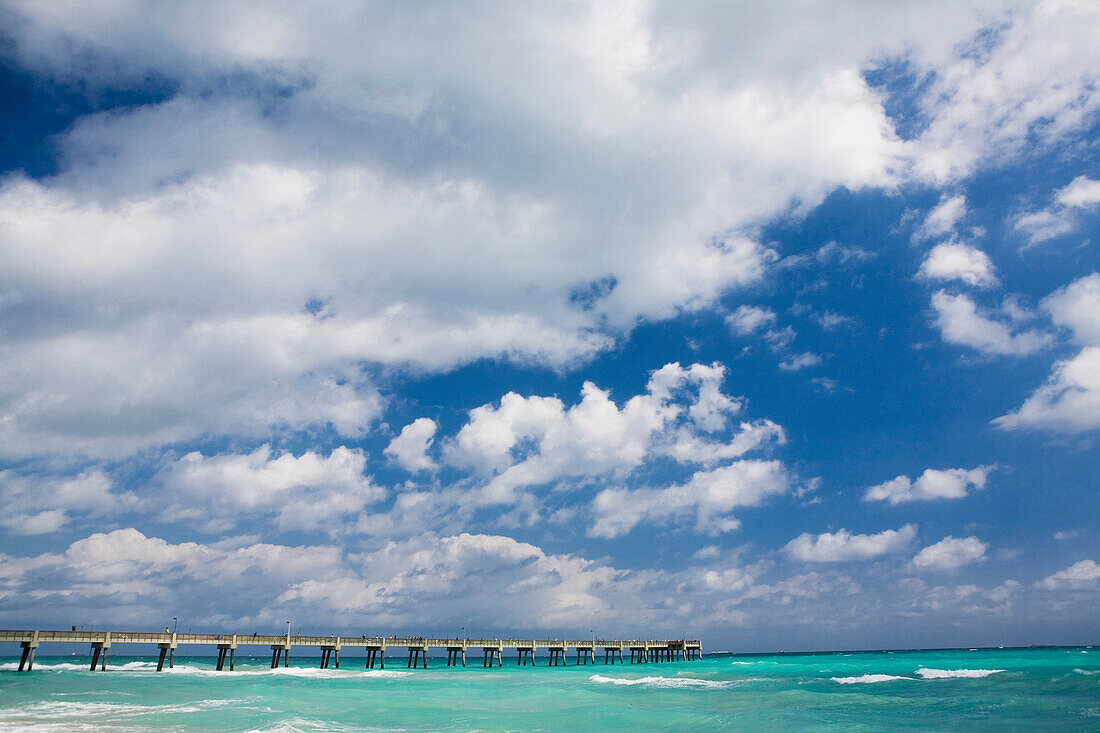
x: 778, y: 327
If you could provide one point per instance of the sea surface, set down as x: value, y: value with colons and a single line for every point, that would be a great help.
x: 987, y: 690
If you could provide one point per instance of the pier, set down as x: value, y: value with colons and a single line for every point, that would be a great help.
x: 328, y: 647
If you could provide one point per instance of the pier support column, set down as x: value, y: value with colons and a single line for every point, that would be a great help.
x: 161, y: 656
x: 26, y: 661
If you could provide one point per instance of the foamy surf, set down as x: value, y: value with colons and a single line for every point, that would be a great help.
x: 950, y: 674
x: 302, y: 672
x: 868, y: 679
x: 60, y: 710
x: 663, y: 682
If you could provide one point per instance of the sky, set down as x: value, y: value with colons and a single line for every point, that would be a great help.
x: 774, y: 325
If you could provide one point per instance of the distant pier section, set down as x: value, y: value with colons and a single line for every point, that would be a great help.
x: 641, y: 651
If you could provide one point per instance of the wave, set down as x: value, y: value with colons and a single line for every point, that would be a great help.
x: 866, y: 679
x: 308, y: 725
x: 950, y: 674
x: 1086, y: 671
x: 665, y: 682
x: 62, y: 709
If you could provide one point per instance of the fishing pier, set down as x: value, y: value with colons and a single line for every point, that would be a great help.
x: 586, y: 650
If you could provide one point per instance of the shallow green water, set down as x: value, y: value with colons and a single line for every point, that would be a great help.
x: 1035, y: 689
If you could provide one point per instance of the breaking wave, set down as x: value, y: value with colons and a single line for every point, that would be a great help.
x: 867, y: 679
x: 665, y: 682
x: 950, y: 674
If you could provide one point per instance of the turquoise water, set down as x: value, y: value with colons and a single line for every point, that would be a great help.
x: 1034, y: 689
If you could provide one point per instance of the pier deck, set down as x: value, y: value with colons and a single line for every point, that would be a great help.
x: 641, y: 650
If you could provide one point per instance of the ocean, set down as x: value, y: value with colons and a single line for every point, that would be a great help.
x: 983, y: 690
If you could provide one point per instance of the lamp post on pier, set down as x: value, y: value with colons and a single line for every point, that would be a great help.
x: 175, y: 623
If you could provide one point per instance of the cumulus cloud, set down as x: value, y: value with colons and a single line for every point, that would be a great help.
x: 961, y: 322
x: 438, y: 580
x: 310, y: 491
x: 410, y: 449
x: 943, y: 218
x: 795, y: 362
x: 1069, y: 401
x: 843, y: 546
x: 40, y: 504
x: 956, y: 261
x: 529, y: 441
x: 443, y: 197
x: 708, y: 497
x: 1083, y: 575
x: 1063, y: 215
x: 1077, y: 307
x: 750, y: 318
x: 933, y: 484
x: 951, y: 553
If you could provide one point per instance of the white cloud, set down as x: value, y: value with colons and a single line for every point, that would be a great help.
x: 795, y: 362
x: 951, y: 553
x: 410, y: 448
x: 1081, y: 192
x: 309, y: 491
x: 952, y: 483
x: 1069, y: 401
x: 425, y: 580
x: 529, y: 441
x: 750, y: 318
x: 1083, y: 575
x: 961, y: 322
x: 955, y: 261
x: 40, y: 504
x: 1077, y: 307
x: 186, y: 236
x: 1026, y: 83
x: 843, y: 546
x: 708, y: 497
x: 1063, y: 215
x: 943, y: 218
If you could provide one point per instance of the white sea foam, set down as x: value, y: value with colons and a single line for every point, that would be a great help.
x: 56, y: 710
x: 306, y: 672
x: 307, y: 725
x: 866, y: 679
x: 1087, y: 671
x: 665, y: 682
x: 950, y: 674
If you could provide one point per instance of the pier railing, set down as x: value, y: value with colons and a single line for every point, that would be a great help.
x: 641, y: 650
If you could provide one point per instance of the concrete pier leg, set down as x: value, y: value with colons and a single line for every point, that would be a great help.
x: 424, y: 658
x: 30, y: 660
x: 286, y: 657
x: 232, y: 654
x: 172, y: 658
x: 274, y: 657
x: 221, y: 659
x: 160, y: 659
x: 103, y: 661
x: 23, y: 658
x: 95, y: 657
x: 463, y: 657
x: 410, y: 664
